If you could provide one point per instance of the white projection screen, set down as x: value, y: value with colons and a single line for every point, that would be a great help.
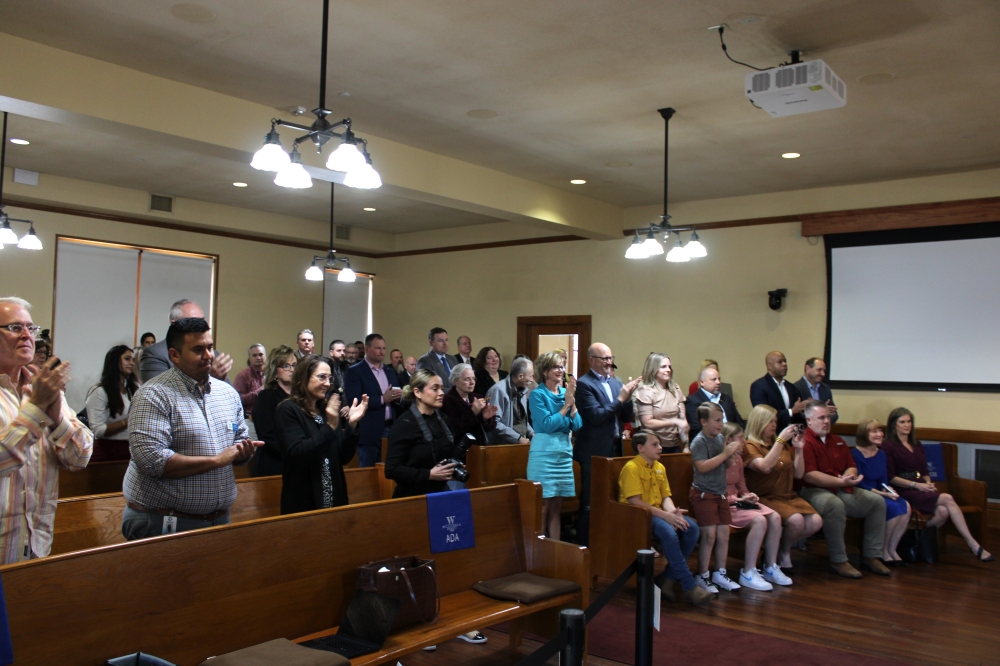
x: 346, y: 310
x: 915, y: 309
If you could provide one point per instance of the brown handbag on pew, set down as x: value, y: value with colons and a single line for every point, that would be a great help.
x: 412, y: 580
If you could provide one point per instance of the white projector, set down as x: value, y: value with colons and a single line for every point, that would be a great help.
x: 798, y: 88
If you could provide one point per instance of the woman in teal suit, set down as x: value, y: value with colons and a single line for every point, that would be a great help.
x: 554, y: 417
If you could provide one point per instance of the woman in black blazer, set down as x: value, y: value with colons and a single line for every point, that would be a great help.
x: 487, y: 366
x: 314, y: 446
x: 420, y: 439
x: 466, y: 410
x: 277, y: 383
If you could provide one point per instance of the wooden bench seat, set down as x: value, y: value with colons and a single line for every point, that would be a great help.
x: 96, y: 520
x: 187, y: 596
x: 497, y: 464
x: 100, y: 478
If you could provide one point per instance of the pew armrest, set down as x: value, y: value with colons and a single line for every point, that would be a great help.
x: 968, y: 492
x: 559, y: 559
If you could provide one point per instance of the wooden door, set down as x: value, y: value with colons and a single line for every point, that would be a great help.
x: 545, y: 333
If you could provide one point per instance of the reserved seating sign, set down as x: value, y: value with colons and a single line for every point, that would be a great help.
x: 449, y: 518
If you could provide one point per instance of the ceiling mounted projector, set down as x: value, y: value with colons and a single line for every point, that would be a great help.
x: 796, y: 88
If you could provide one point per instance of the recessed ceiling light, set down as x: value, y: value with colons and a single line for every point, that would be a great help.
x: 370, y: 210
x: 618, y: 163
x: 20, y: 142
x: 790, y: 156
x: 482, y: 114
x: 578, y: 181
x: 344, y: 94
x: 239, y: 184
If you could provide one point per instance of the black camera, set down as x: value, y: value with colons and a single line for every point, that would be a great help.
x: 460, y: 473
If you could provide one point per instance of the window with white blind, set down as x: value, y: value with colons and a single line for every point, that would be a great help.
x: 109, y: 294
x: 347, y: 309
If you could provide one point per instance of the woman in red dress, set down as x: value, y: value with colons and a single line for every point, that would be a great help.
x: 907, y: 470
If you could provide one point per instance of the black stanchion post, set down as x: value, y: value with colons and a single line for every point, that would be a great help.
x: 572, y: 621
x: 644, y: 608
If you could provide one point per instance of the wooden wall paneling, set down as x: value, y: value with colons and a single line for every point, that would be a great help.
x: 901, y: 217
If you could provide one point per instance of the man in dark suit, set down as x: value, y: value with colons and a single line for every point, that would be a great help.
x: 464, y: 354
x: 379, y: 382
x: 710, y: 390
x: 396, y: 361
x: 773, y: 390
x: 811, y: 385
x: 438, y: 360
x: 604, y: 404
x: 155, y: 360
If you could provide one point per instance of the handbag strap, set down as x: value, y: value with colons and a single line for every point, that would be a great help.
x: 413, y: 597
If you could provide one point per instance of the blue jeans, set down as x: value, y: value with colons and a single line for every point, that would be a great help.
x: 677, y: 545
x: 369, y: 455
x: 142, y: 525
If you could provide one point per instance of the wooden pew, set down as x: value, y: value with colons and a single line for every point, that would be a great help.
x: 106, y: 477
x: 497, y: 464
x: 91, y: 522
x: 969, y: 494
x: 185, y: 597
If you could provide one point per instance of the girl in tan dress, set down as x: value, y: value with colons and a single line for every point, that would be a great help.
x: 772, y: 464
x: 660, y: 404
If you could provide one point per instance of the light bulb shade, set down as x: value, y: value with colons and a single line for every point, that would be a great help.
x: 271, y: 157
x: 365, y: 178
x: 636, y: 249
x: 677, y: 254
x: 30, y: 241
x: 653, y: 247
x: 346, y: 158
x: 347, y: 275
x: 294, y: 175
x: 314, y: 273
x: 7, y: 235
x: 695, y: 249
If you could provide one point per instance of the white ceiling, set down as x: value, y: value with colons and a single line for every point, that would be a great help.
x: 576, y: 85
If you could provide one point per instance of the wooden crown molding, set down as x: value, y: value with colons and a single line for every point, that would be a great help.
x: 944, y: 213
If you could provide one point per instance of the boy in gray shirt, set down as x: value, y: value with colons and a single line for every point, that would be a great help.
x: 709, y: 505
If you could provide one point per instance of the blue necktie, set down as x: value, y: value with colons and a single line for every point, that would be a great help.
x: 444, y: 362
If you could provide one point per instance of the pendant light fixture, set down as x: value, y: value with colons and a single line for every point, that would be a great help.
x: 348, y: 158
x: 651, y: 247
x: 315, y: 272
x: 30, y: 240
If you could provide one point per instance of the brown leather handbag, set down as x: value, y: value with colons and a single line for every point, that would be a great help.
x: 412, y: 580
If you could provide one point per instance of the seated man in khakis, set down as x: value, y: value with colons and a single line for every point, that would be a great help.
x: 186, y: 431
x: 831, y: 479
x: 643, y: 482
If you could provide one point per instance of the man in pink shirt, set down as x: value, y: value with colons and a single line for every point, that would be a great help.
x: 251, y: 380
x: 379, y: 382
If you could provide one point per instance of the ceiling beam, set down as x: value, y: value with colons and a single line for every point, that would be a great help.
x: 50, y: 84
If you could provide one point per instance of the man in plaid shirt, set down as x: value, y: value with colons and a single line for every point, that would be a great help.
x: 186, y: 431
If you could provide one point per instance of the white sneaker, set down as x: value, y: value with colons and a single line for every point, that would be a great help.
x: 773, y: 574
x: 475, y: 637
x: 722, y: 580
x: 703, y: 582
x: 752, y: 580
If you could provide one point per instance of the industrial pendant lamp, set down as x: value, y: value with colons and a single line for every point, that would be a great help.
x: 651, y: 247
x: 30, y: 240
x: 348, y: 158
x: 315, y: 272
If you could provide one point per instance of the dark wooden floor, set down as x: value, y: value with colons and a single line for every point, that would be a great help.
x: 947, y: 613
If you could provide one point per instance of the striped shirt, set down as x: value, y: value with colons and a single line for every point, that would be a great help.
x: 172, y: 414
x: 31, y: 453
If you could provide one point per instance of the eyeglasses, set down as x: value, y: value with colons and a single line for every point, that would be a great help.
x: 322, y: 378
x: 606, y: 359
x: 18, y: 329
x: 287, y: 366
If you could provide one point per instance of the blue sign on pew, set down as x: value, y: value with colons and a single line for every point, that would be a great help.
x: 935, y: 461
x: 6, y: 649
x: 449, y: 517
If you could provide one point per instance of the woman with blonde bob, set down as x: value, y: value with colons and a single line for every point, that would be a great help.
x: 660, y: 404
x: 554, y: 417
x: 772, y: 464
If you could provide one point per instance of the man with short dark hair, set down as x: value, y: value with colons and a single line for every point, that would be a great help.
x: 396, y: 361
x: 379, y: 382
x: 510, y: 395
x: 773, y: 390
x: 305, y: 343
x: 155, y: 359
x: 710, y: 390
x: 186, y: 432
x: 811, y: 385
x: 438, y: 360
x: 338, y: 354
x: 39, y: 436
x: 831, y: 479
x: 464, y: 349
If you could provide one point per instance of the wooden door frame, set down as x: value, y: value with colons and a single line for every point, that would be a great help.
x: 525, y: 324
